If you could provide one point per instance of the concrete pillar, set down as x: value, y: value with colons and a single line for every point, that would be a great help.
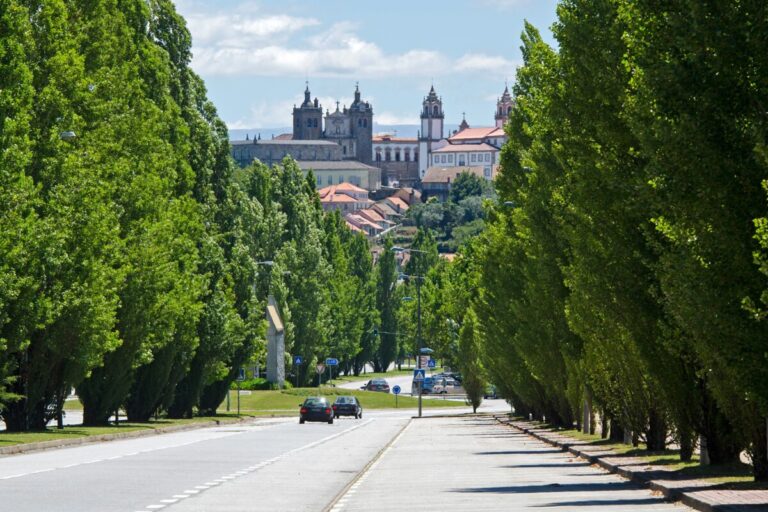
x: 275, y: 344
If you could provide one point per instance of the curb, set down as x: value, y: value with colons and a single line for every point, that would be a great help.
x: 670, y: 494
x: 65, y: 443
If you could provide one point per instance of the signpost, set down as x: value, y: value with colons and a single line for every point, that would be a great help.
x: 396, y: 391
x: 319, y: 368
x: 240, y: 378
x: 431, y: 363
x: 297, y: 360
x: 331, y: 361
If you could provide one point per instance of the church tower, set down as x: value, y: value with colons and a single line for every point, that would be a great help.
x: 361, y: 122
x: 432, y: 118
x: 308, y: 119
x: 504, y: 108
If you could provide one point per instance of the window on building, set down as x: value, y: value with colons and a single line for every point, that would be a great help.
x: 341, y: 179
x: 344, y: 149
x: 397, y: 156
x: 415, y: 156
x: 473, y: 158
x: 407, y: 155
x: 450, y: 159
x: 314, y: 123
x: 330, y: 180
x: 487, y: 173
x: 435, y: 110
x: 487, y: 157
x: 388, y: 155
x: 319, y: 181
x: 365, y: 123
x: 378, y: 156
x: 309, y: 123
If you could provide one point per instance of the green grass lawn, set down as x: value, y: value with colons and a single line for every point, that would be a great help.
x: 70, y: 432
x: 290, y: 399
x: 730, y: 476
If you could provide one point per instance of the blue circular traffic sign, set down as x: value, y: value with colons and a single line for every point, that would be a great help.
x: 396, y: 390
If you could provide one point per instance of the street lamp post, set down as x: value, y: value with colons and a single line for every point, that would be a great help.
x: 418, y: 279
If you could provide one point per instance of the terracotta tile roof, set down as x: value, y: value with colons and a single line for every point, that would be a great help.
x: 372, y: 215
x: 498, y: 132
x: 465, y: 148
x: 338, y: 198
x: 362, y: 221
x: 346, y: 186
x: 385, y: 209
x: 387, y: 138
x: 285, y: 136
x: 474, y: 133
x: 398, y: 202
x: 353, y: 227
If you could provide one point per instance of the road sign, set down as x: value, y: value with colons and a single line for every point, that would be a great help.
x: 431, y: 363
x: 396, y: 390
x: 418, y: 375
x: 320, y: 368
x: 332, y: 361
x: 424, y: 360
x: 298, y: 359
x: 241, y: 375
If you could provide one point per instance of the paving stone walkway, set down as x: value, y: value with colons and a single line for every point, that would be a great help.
x: 697, y: 494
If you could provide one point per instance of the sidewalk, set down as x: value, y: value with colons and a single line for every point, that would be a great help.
x: 697, y: 494
x: 474, y: 463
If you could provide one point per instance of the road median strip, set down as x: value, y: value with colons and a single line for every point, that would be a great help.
x: 697, y: 494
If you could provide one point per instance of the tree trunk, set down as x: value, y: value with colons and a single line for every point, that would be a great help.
x: 656, y: 437
x: 604, y: 425
x: 759, y: 452
x: 685, y: 438
x: 617, y: 431
x: 586, y: 413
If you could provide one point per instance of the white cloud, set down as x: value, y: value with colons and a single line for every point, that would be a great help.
x: 240, y: 31
x: 388, y: 118
x: 478, y: 62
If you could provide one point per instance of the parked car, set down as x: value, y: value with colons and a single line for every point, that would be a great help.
x: 426, y: 386
x: 377, y: 385
x: 490, y: 392
x: 446, y: 386
x: 347, y: 406
x: 316, y: 408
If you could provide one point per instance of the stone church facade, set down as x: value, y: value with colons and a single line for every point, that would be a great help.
x: 345, y: 134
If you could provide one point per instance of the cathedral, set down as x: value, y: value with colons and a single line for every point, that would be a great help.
x: 340, y: 146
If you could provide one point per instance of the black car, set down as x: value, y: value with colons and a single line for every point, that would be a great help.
x: 377, y: 385
x: 347, y: 406
x: 316, y: 408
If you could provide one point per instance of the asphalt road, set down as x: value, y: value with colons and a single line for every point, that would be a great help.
x: 451, y: 463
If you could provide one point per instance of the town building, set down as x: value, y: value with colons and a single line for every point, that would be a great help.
x: 398, y: 158
x: 344, y: 197
x: 438, y: 180
x: 337, y: 150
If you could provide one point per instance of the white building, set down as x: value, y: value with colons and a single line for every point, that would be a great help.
x: 466, y: 147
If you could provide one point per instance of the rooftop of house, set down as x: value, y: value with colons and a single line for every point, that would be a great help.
x: 383, y: 138
x: 465, y: 148
x: 483, y: 132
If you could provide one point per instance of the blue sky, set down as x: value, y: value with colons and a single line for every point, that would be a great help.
x: 255, y: 55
